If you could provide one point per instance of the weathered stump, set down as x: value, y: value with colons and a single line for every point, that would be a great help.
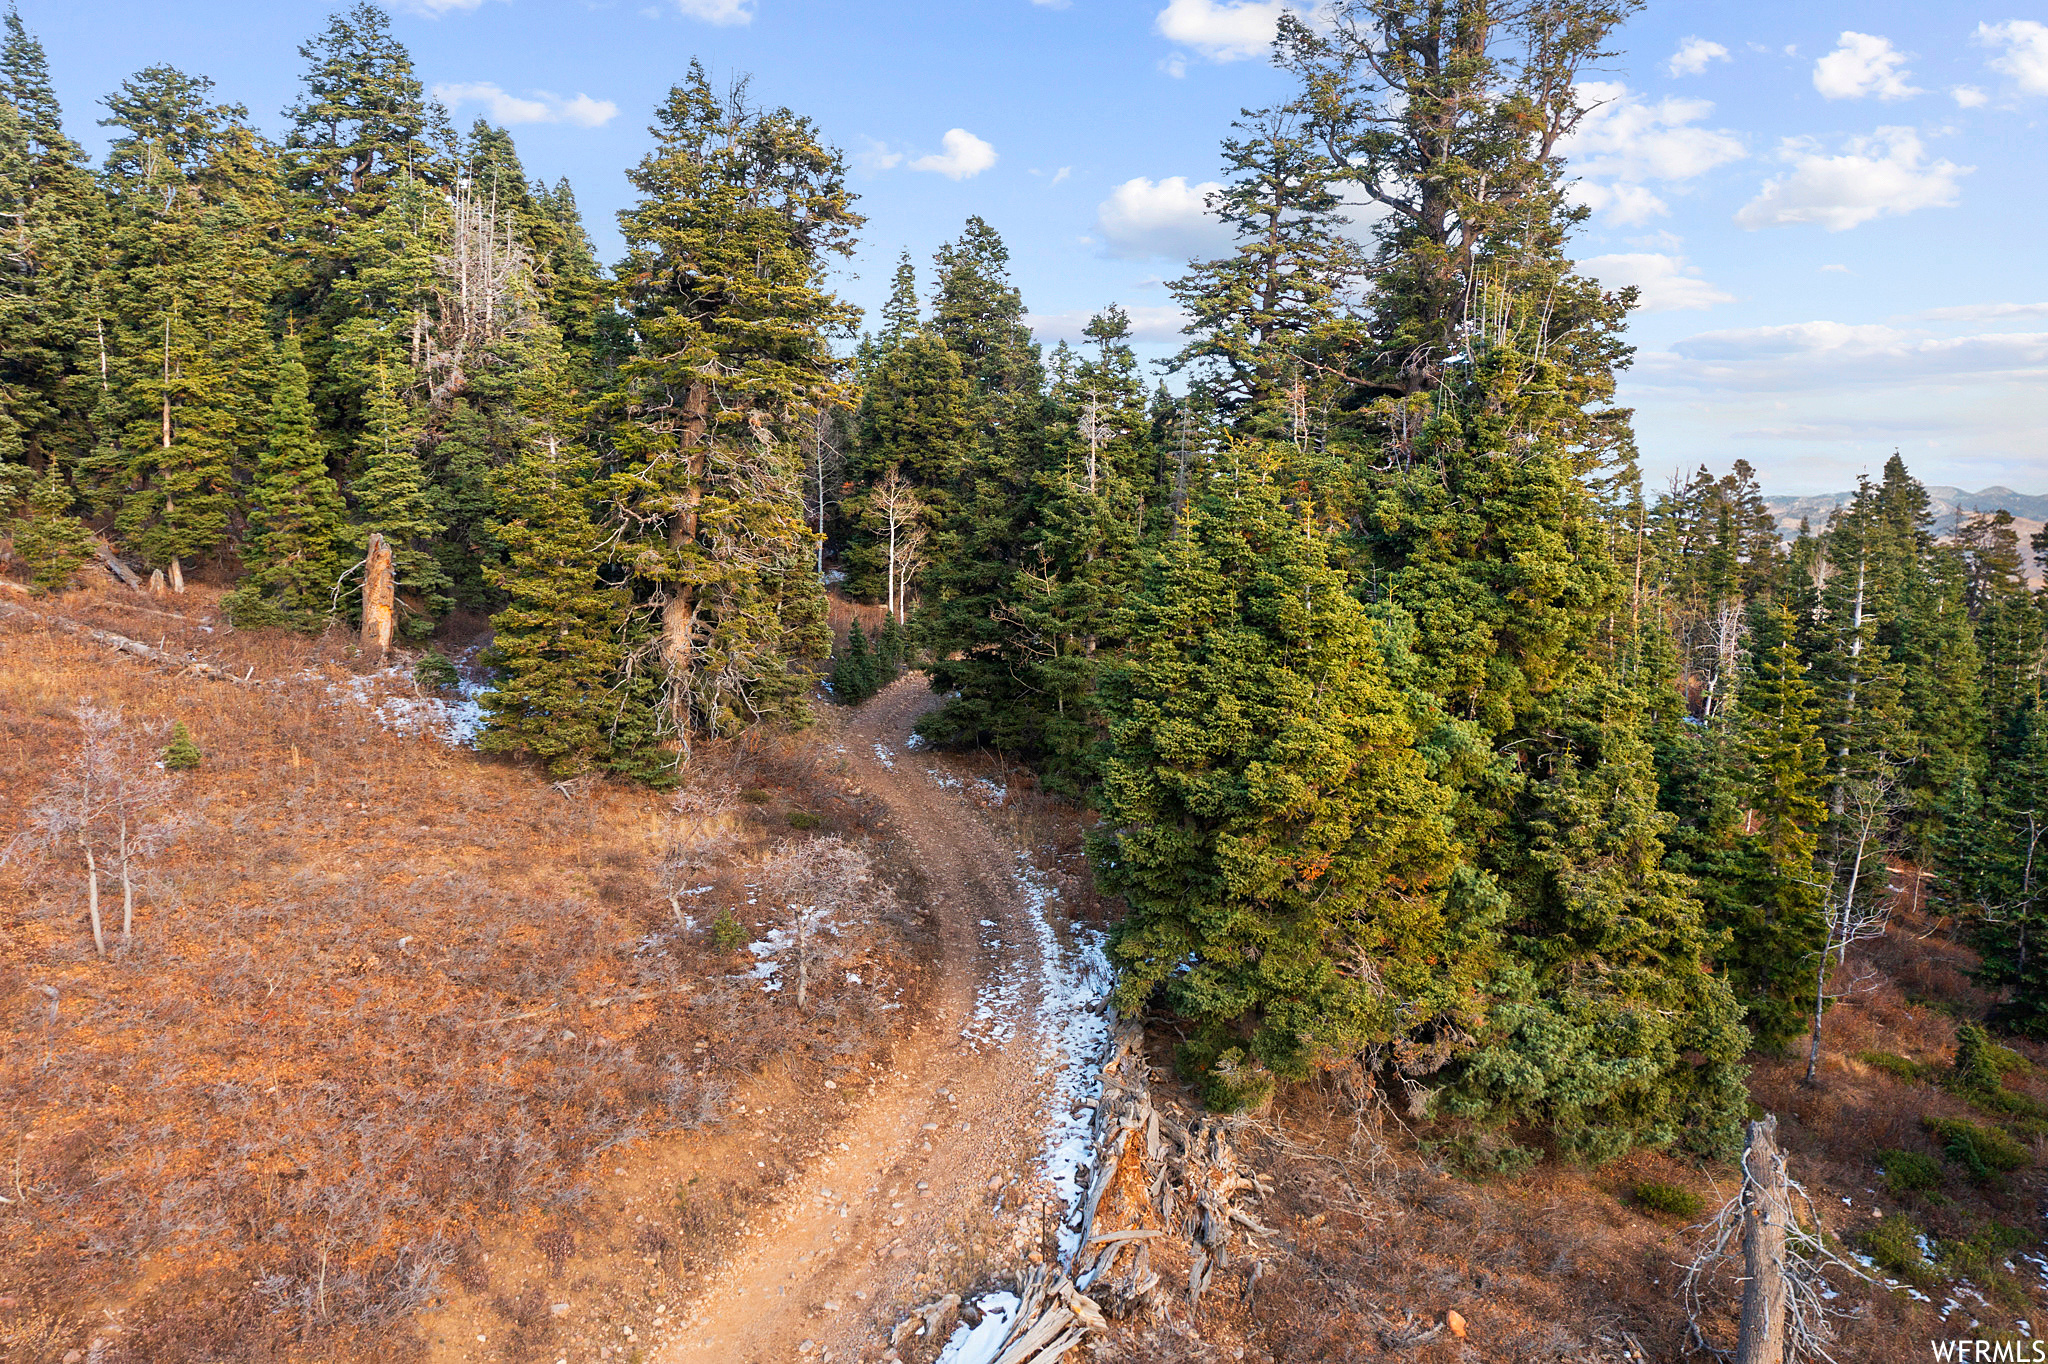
x: 1764, y: 1210
x: 380, y: 590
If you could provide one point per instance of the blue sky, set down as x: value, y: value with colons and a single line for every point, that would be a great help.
x: 1834, y: 210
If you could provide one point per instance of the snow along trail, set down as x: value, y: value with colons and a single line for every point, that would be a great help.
x: 953, y: 1157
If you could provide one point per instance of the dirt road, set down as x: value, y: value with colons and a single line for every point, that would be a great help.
x: 942, y: 1161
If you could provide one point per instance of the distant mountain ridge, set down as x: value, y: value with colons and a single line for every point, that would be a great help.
x: 1950, y: 505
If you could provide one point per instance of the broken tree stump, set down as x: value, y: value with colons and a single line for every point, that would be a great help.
x: 1765, y: 1208
x: 380, y: 589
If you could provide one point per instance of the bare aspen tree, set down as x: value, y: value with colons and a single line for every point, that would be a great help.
x: 825, y: 463
x: 822, y: 884
x: 1853, y: 913
x: 895, y: 505
x: 107, y: 808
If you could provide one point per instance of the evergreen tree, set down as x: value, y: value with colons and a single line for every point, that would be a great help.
x: 855, y: 677
x: 558, y: 642
x: 395, y: 499
x: 51, y: 221
x: 47, y: 538
x: 1780, y: 926
x: 297, y: 521
x: 917, y: 419
x: 188, y: 290
x: 1483, y: 398
x: 740, y: 214
x: 1999, y: 863
x: 1272, y: 315
x: 362, y: 128
x: 1284, y: 854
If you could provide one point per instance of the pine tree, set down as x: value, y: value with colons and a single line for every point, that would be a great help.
x: 362, y: 128
x: 558, y: 642
x: 1780, y: 927
x: 395, y: 500
x: 181, y: 754
x: 51, y: 222
x: 52, y: 542
x: 854, y: 676
x: 741, y: 211
x: 187, y: 296
x: 917, y: 419
x: 1272, y: 314
x: 1483, y: 398
x: 1284, y: 854
x: 297, y: 521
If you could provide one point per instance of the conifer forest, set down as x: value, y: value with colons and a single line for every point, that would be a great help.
x: 1426, y: 775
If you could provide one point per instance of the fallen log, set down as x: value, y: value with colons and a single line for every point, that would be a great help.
x: 104, y: 552
x: 122, y: 644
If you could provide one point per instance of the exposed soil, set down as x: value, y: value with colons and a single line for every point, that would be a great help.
x: 909, y: 1175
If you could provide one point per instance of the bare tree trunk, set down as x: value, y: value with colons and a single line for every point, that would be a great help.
x: 157, y: 586
x: 177, y: 576
x: 1764, y: 1209
x: 679, y: 616
x: 1855, y: 681
x: 380, y: 591
x: 127, y: 886
x: 92, y: 900
x: 803, y: 962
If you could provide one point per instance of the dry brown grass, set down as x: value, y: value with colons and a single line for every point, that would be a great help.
x: 359, y: 1019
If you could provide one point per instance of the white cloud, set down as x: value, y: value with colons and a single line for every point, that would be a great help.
x: 1062, y: 173
x: 1863, y: 64
x: 2025, y: 58
x: 1836, y: 269
x: 1625, y: 139
x: 1693, y: 55
x: 1149, y: 322
x: 1222, y: 32
x: 1624, y: 205
x: 965, y: 157
x: 1171, y: 218
x: 1984, y: 312
x: 1667, y: 283
x: 1052, y: 4
x: 724, y: 13
x: 1801, y: 355
x: 875, y: 156
x: 537, y: 106
x: 1969, y: 97
x: 437, y: 8
x: 1877, y: 176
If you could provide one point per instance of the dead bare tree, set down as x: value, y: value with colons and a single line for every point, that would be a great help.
x: 823, y: 884
x: 895, y: 508
x: 1855, y: 911
x: 688, y: 856
x: 1784, y: 1256
x: 108, y: 807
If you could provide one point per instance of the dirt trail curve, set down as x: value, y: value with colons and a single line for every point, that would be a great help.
x: 959, y: 1124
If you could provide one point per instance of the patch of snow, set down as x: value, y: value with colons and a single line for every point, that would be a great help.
x: 946, y: 782
x: 885, y: 756
x: 914, y: 741
x: 1073, y: 979
x: 991, y: 793
x: 981, y: 1344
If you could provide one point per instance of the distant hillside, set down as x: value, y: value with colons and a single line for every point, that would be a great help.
x: 1950, y: 506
